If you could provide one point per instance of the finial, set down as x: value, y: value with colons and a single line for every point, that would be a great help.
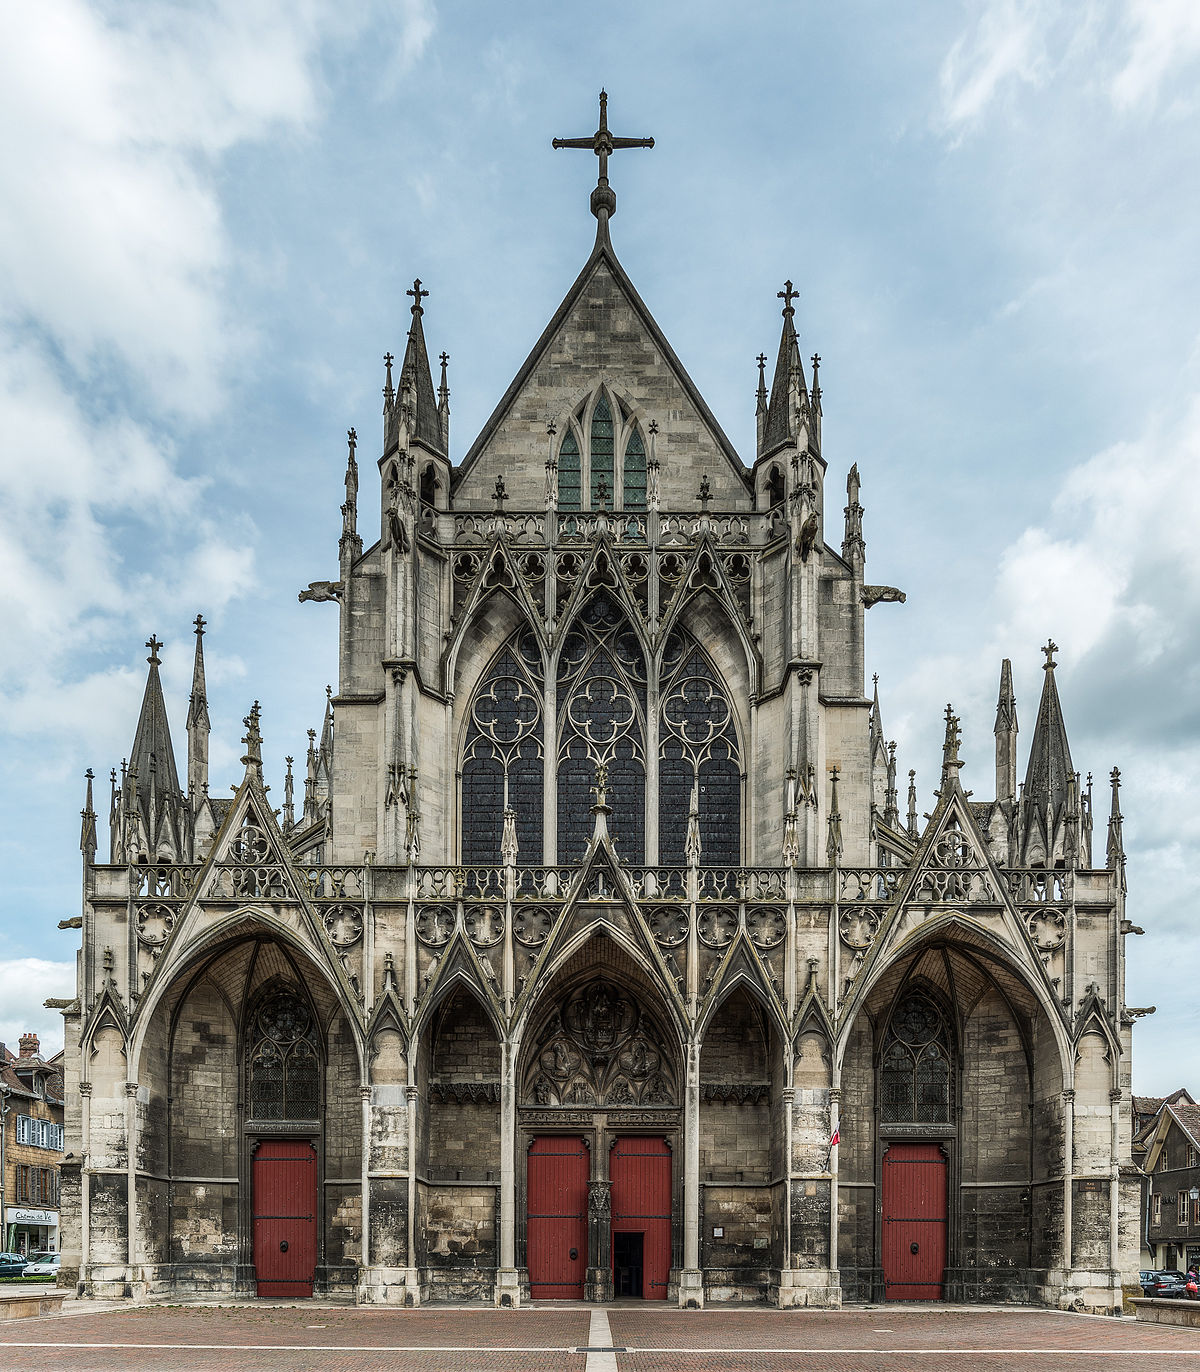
x: 552, y: 428
x: 600, y: 790
x: 704, y: 494
x: 875, y: 680
x: 352, y: 440
x: 602, y: 492
x: 761, y: 359
x: 417, y: 296
x: 253, y: 740
x: 816, y: 366
x: 787, y: 295
x: 603, y: 144
x: 500, y: 494
x: 154, y: 645
x: 199, y: 622
x: 1050, y: 649
x: 444, y: 358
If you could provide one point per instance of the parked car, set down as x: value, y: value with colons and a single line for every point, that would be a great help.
x: 12, y: 1264
x: 42, y: 1265
x: 1165, y: 1285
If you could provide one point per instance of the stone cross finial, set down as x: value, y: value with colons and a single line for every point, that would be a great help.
x: 352, y: 439
x: 603, y: 144
x: 761, y: 359
x: 417, y: 296
x: 787, y: 295
x: 154, y: 645
x: 199, y: 622
x: 1050, y: 649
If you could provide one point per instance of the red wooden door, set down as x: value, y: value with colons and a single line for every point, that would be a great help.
x: 914, y: 1221
x: 285, y: 1217
x: 556, y: 1233
x: 640, y: 1171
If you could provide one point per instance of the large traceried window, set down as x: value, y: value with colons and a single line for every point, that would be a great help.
x: 503, y: 758
x: 282, y: 1068
x: 915, y: 1074
x: 602, y: 457
x: 698, y: 748
x: 601, y: 719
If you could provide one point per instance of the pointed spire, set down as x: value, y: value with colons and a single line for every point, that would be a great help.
x: 87, y: 829
x: 760, y: 409
x: 1116, y: 837
x: 310, y: 781
x: 600, y: 806
x: 252, y: 758
x: 791, y: 833
x: 1047, y: 778
x: 389, y: 390
x: 412, y: 823
x: 198, y: 725
x: 891, y: 809
x: 1006, y: 736
x: 875, y: 729
x: 289, y: 798
x: 508, y: 838
x: 444, y: 403
x: 427, y: 427
x: 350, y: 541
x: 152, y: 738
x: 816, y: 382
x: 833, y: 839
x: 853, y: 547
x: 912, y: 804
x: 789, y: 373
x: 951, y: 762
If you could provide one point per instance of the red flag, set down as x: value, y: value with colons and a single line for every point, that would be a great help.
x: 837, y: 1138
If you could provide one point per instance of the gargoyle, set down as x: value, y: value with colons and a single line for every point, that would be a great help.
x: 872, y: 595
x: 322, y: 590
x: 807, y: 536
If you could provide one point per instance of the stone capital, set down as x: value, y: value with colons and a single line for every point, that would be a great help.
x: 131, y: 1088
x: 85, y: 1088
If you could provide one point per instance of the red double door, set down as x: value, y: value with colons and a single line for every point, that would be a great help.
x: 557, y: 1216
x: 914, y: 1221
x: 284, y: 1195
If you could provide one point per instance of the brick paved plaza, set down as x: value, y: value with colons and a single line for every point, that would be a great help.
x: 576, y: 1337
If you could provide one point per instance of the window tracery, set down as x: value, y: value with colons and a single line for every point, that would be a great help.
x: 282, y: 1068
x: 603, y: 456
x: 698, y: 747
x: 915, y: 1075
x: 602, y: 710
x: 503, y: 756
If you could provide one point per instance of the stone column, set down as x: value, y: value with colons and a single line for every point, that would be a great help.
x: 131, y: 1090
x: 1068, y: 1177
x: 85, y: 1179
x: 691, y: 1278
x: 412, y: 1279
x: 599, y: 1283
x: 508, y: 1280
x: 1114, y: 1195
x: 365, y: 1093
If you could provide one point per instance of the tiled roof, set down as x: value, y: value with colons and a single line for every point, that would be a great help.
x: 1188, y: 1119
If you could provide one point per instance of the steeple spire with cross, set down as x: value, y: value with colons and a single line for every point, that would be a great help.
x: 603, y: 144
x: 417, y: 295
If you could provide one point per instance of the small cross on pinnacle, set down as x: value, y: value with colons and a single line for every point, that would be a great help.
x: 816, y: 366
x: 418, y: 295
x: 761, y: 359
x: 199, y: 622
x: 154, y: 645
x: 444, y: 358
x: 352, y: 439
x: 787, y: 295
x: 603, y: 144
x: 1050, y: 649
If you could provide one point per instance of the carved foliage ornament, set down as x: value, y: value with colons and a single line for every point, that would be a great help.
x: 154, y: 924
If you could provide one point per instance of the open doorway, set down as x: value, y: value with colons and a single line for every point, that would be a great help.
x: 627, y: 1264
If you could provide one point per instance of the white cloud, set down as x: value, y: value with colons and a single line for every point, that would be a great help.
x: 25, y: 983
x: 1165, y: 37
x: 1005, y: 44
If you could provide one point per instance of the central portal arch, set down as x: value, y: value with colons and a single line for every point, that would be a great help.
x: 599, y: 1122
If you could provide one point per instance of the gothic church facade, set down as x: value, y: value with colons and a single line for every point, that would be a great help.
x: 598, y: 957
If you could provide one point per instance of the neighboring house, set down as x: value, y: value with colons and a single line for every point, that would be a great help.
x: 31, y: 1130
x: 1171, y: 1194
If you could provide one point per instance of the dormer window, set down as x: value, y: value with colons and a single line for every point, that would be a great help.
x: 603, y: 456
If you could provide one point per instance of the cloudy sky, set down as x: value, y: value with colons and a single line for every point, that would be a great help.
x: 209, y: 214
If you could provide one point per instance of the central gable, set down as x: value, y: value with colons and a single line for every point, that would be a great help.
x: 602, y: 333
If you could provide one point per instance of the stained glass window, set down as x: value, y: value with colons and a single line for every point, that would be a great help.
x: 283, y: 1070
x: 915, y: 1076
x: 602, y: 706
x: 698, y: 747
x: 502, y: 759
x: 602, y: 456
x: 569, y: 486
x: 634, y: 472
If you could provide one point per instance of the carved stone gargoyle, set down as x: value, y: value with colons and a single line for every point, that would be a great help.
x: 872, y: 595
x: 322, y: 590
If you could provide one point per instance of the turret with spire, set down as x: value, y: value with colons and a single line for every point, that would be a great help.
x: 1006, y: 737
x: 198, y: 725
x: 1047, y: 796
x: 87, y: 828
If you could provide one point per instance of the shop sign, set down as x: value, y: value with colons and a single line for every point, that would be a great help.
x: 19, y: 1216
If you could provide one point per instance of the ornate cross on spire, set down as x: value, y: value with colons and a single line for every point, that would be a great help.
x: 787, y: 295
x: 418, y: 295
x: 154, y: 645
x: 1050, y: 649
x: 603, y: 144
x: 199, y: 622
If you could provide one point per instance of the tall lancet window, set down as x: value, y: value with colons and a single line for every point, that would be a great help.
x: 603, y: 496
x: 601, y: 719
x: 502, y: 757
x: 569, y: 472
x: 699, y: 758
x: 282, y: 1069
x: 634, y: 472
x: 915, y: 1076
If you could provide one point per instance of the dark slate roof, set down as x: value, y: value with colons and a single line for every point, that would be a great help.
x: 778, y: 428
x: 1050, y: 769
x: 153, y: 739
